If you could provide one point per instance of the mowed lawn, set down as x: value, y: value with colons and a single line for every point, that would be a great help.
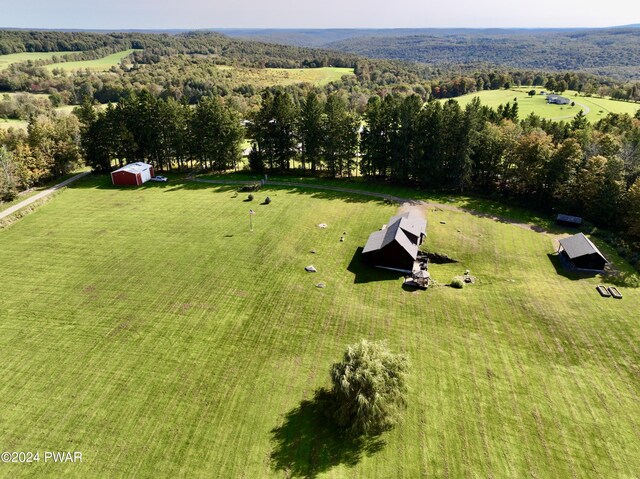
x: 594, y: 107
x: 100, y: 64
x: 7, y: 60
x: 152, y: 331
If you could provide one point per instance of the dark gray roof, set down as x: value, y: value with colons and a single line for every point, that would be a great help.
x: 579, y: 245
x: 397, y: 230
x: 393, y: 232
x: 411, y: 223
x: 569, y: 219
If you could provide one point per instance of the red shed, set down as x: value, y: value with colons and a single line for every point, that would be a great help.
x: 132, y: 174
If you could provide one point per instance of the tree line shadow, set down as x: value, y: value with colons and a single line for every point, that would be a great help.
x: 308, y: 443
x: 103, y: 181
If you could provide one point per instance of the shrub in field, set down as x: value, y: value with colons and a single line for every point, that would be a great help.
x: 457, y: 283
x: 267, y: 200
x: 250, y: 197
x: 369, y: 389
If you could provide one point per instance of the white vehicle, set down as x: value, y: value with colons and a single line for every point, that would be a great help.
x: 162, y: 179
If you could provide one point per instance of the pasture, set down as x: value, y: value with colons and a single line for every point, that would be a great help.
x: 594, y: 107
x: 6, y: 123
x: 149, y: 329
x: 101, y: 64
x: 7, y: 60
x: 264, y: 77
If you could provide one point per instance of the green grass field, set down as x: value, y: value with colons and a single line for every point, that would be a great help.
x: 11, y: 123
x: 594, y: 107
x: 263, y: 77
x: 101, y: 64
x: 149, y: 329
x: 6, y: 60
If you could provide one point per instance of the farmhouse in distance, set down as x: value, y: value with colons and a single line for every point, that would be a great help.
x: 395, y: 246
x: 558, y: 100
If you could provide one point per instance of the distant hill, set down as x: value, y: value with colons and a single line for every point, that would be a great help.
x: 325, y: 37
x: 611, y: 52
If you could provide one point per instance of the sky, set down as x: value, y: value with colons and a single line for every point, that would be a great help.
x: 194, y: 14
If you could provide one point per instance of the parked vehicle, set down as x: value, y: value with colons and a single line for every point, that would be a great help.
x: 162, y: 179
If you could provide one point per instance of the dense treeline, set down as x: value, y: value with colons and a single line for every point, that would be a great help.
x: 49, y: 149
x: 165, y: 133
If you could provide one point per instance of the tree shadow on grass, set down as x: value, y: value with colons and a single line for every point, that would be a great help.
x: 308, y: 443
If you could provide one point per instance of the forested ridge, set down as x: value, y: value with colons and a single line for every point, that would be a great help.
x: 611, y: 52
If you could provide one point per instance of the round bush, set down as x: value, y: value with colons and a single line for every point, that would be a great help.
x: 456, y: 283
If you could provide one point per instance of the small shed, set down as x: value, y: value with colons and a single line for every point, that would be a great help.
x: 567, y: 220
x: 579, y: 253
x: 133, y: 174
x: 396, y: 246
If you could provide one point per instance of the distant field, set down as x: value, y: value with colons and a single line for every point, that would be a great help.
x: 101, y: 64
x: 6, y: 60
x: 287, y: 76
x: 151, y: 330
x: 6, y: 124
x: 594, y: 108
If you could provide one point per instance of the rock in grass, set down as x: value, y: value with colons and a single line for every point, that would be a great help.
x: 321, y: 285
x: 311, y: 269
x: 312, y: 251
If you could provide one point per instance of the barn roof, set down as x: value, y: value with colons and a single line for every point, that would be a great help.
x: 397, y: 231
x: 137, y: 167
x: 579, y: 245
x: 410, y: 223
x: 569, y: 219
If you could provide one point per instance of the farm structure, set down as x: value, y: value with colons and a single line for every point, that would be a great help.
x: 558, y: 100
x: 567, y: 220
x: 577, y: 252
x: 133, y: 174
x: 395, y: 246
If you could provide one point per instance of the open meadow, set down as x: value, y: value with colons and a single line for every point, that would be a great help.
x: 594, y: 107
x: 100, y: 64
x: 6, y: 60
x: 265, y: 77
x: 150, y: 330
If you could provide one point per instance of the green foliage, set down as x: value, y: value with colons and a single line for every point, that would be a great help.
x: 273, y: 129
x: 250, y: 197
x: 369, y: 388
x: 457, y: 283
x: 8, y: 187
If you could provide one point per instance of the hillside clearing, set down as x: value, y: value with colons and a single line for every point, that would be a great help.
x: 594, y: 107
x: 263, y: 77
x: 7, y: 60
x: 101, y: 64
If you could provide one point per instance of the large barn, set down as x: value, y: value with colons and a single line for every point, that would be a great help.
x: 579, y: 253
x: 395, y: 246
x: 133, y: 174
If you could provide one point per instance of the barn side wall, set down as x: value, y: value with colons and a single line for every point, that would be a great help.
x: 124, y: 178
